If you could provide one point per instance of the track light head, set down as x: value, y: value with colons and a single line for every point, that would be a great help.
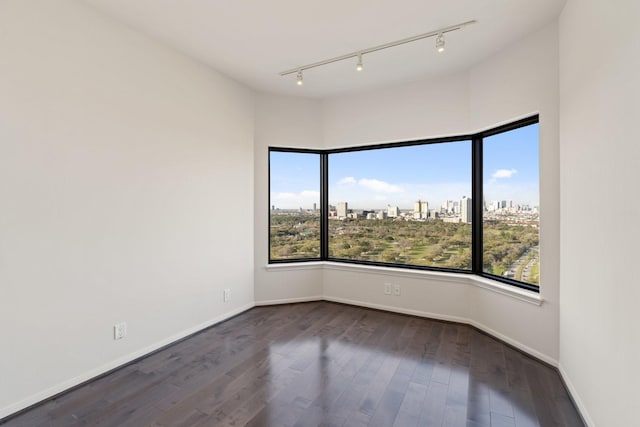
x: 440, y: 42
x: 359, y: 67
x: 299, y: 79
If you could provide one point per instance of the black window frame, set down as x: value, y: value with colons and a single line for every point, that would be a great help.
x: 323, y: 196
x: 477, y: 195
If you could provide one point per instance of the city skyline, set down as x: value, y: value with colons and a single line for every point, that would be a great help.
x: 399, y: 176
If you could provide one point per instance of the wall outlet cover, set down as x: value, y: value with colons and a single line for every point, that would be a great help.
x: 387, y: 288
x: 119, y: 331
x: 396, y: 290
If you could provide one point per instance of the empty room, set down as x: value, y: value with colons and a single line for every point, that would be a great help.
x: 341, y: 213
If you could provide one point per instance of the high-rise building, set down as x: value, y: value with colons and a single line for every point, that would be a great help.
x: 393, y: 211
x: 448, y: 207
x: 420, y: 209
x: 466, y: 212
x: 342, y: 208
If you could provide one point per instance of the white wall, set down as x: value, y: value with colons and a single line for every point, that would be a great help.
x: 126, y: 194
x: 413, y: 110
x: 515, y: 82
x: 599, y: 151
x: 518, y: 81
x: 281, y: 122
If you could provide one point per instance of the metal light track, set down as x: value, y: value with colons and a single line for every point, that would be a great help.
x: 377, y: 48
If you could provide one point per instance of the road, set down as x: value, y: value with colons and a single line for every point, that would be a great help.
x: 526, y: 271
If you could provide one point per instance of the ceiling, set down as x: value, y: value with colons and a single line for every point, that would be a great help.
x: 253, y: 41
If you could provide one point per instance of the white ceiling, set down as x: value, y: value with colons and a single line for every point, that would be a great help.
x: 252, y: 41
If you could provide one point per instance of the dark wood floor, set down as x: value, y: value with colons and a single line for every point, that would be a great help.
x: 326, y: 364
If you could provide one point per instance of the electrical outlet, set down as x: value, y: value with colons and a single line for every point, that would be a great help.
x: 396, y: 290
x: 226, y: 296
x: 119, y: 331
x: 387, y: 288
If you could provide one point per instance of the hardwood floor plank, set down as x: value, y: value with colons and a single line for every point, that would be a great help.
x: 393, y: 396
x: 520, y: 390
x: 499, y: 420
x: 478, y: 404
x: 411, y: 406
x: 434, y: 405
x: 443, y: 355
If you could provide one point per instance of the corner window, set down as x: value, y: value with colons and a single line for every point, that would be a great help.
x: 466, y: 204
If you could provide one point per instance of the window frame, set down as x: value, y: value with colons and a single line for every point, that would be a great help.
x: 322, y: 210
x: 442, y: 140
x: 477, y: 195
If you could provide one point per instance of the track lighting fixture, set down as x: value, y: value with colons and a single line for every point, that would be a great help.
x: 438, y: 34
x: 440, y: 43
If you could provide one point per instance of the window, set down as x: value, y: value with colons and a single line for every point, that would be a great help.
x: 464, y: 204
x: 510, y: 221
x: 294, y: 198
x: 402, y: 205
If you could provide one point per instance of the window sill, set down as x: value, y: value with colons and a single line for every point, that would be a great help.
x: 470, y: 279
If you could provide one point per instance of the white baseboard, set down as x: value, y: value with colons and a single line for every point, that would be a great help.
x: 582, y: 409
x: 86, y: 376
x: 551, y: 361
x: 289, y: 300
x: 517, y: 344
x: 397, y: 309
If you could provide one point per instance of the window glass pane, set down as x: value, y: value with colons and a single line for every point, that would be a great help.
x: 510, y: 209
x: 294, y: 194
x: 402, y: 205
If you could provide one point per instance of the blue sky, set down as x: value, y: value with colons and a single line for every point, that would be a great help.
x: 400, y: 176
x: 294, y: 180
x: 511, y: 170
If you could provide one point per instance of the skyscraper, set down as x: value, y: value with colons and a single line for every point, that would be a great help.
x: 342, y: 209
x: 393, y: 211
x: 466, y: 213
x: 420, y: 210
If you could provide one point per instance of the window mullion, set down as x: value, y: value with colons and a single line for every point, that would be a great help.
x: 324, y: 206
x: 477, y: 204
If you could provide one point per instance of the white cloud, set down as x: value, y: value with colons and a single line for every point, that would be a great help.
x: 303, y: 199
x: 347, y: 180
x: 285, y: 196
x: 503, y: 173
x: 379, y: 186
